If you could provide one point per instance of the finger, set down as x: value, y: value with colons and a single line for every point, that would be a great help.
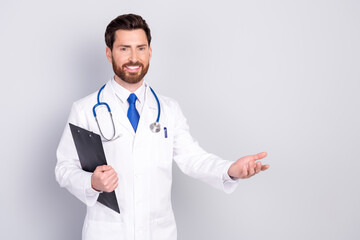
x: 114, y: 181
x: 106, y: 177
x: 259, y: 156
x: 110, y: 183
x: 257, y: 167
x: 244, y: 172
x: 109, y: 172
x: 103, y: 168
x: 264, y: 167
x: 111, y: 187
x: 110, y: 175
x: 108, y: 168
x: 251, y: 168
x: 116, y: 185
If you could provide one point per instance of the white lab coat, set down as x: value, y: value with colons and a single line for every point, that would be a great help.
x: 143, y: 162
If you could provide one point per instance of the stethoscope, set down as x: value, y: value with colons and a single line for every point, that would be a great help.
x: 154, y: 127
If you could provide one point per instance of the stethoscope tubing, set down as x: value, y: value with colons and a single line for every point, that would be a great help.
x: 155, y: 127
x: 100, y: 103
x: 158, y: 103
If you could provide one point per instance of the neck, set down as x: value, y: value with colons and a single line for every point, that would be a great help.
x: 132, y: 87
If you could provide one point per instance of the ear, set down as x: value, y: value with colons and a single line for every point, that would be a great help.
x: 108, y: 54
x: 150, y: 52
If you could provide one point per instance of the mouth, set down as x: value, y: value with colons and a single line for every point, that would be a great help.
x: 132, y: 68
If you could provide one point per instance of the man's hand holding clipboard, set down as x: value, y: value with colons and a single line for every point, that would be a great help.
x: 104, y: 179
x: 92, y: 159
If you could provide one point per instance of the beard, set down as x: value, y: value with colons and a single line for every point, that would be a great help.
x: 130, y: 77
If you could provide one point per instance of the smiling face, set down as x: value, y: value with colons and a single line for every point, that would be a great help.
x: 130, y: 56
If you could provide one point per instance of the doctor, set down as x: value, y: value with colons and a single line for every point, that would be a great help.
x: 139, y: 161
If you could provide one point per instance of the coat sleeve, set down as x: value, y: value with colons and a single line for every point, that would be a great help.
x: 68, y: 171
x: 197, y: 163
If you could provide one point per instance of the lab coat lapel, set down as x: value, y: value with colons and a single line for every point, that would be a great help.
x: 118, y: 113
x: 149, y: 113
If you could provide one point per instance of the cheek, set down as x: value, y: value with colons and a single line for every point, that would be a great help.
x: 145, y: 59
x: 118, y: 58
x: 119, y: 61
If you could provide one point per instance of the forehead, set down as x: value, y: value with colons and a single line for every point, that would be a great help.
x: 130, y: 37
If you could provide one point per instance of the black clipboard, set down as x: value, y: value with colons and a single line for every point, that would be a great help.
x: 91, y: 154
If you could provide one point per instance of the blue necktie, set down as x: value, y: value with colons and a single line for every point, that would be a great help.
x: 132, y: 113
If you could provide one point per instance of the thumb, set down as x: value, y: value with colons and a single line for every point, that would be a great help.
x: 103, y: 168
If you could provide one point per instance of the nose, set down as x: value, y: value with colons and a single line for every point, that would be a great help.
x: 133, y: 56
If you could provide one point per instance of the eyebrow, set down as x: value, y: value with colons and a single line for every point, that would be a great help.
x: 128, y: 46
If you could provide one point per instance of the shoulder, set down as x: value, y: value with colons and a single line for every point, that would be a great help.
x: 85, y: 102
x: 90, y: 100
x: 167, y: 100
x: 170, y: 107
x: 169, y: 103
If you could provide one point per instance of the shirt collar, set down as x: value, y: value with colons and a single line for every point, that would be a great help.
x: 123, y: 93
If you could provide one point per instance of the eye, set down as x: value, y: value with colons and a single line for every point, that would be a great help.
x: 123, y: 49
x: 142, y: 48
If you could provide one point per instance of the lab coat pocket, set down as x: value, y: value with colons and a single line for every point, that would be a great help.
x: 165, y: 148
x: 164, y: 228
x: 95, y: 230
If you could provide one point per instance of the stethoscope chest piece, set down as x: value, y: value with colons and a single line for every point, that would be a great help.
x: 155, y: 127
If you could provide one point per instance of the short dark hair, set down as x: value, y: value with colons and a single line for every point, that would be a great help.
x: 125, y: 22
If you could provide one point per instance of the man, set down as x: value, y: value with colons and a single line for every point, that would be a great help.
x: 139, y: 161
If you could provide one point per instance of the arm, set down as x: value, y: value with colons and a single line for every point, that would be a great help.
x: 195, y: 161
x: 69, y: 173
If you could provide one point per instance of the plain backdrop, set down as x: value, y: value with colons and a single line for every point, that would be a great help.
x: 277, y: 76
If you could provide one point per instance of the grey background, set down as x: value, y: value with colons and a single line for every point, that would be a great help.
x: 251, y: 76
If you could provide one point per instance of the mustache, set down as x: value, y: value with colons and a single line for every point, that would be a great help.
x: 133, y: 64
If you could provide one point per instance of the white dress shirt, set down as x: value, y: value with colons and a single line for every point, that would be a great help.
x: 123, y: 94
